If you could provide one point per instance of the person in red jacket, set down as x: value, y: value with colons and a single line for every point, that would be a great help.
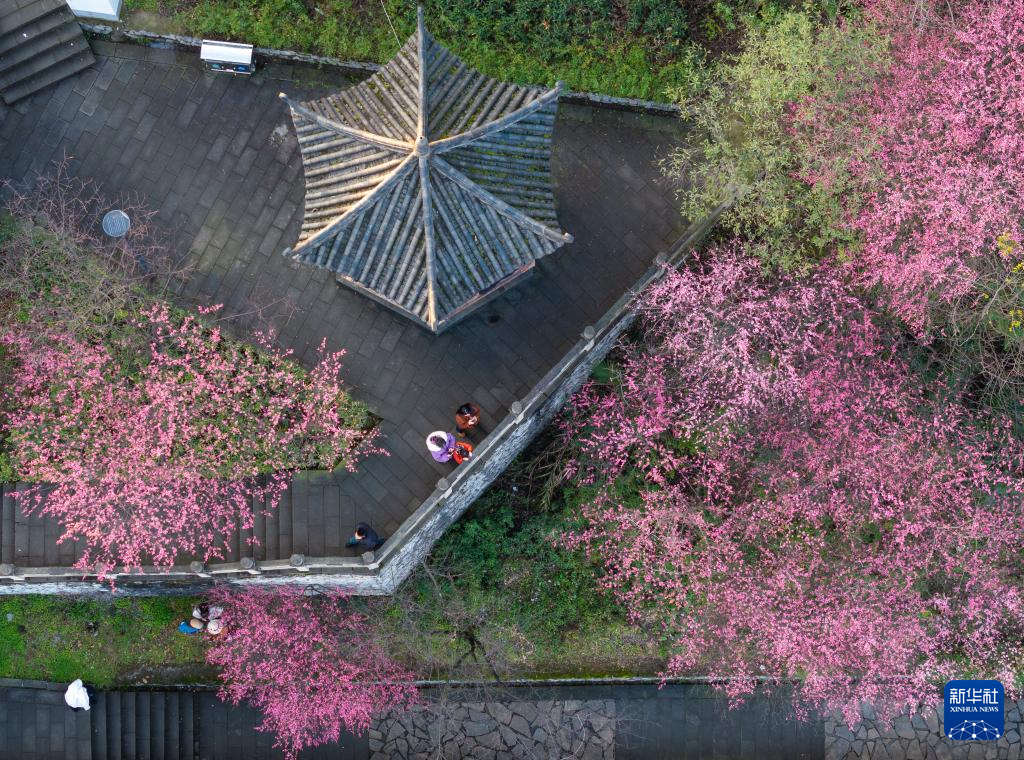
x: 463, y: 450
x: 467, y: 418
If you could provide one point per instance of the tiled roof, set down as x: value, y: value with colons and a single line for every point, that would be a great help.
x: 429, y: 184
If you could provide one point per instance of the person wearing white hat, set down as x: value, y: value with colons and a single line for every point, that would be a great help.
x: 76, y: 696
x: 441, y: 445
x: 215, y: 628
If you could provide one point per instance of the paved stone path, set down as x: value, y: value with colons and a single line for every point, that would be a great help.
x: 677, y: 722
x: 921, y: 738
x: 216, y: 155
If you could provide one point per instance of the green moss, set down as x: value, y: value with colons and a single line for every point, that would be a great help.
x: 102, y: 642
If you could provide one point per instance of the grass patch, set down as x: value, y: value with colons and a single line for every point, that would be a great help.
x: 103, y: 642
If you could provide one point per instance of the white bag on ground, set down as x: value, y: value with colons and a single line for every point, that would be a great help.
x: 76, y: 695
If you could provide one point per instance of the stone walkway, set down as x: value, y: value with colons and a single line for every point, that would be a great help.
x: 920, y: 738
x: 217, y: 157
x: 677, y: 722
x: 598, y: 722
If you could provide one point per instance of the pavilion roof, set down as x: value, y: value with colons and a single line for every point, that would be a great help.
x: 428, y: 184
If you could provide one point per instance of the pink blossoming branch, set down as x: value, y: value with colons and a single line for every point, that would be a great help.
x: 151, y: 457
x: 307, y: 662
x: 928, y: 161
x: 807, y: 509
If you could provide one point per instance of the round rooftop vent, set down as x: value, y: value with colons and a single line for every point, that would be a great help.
x: 116, y: 223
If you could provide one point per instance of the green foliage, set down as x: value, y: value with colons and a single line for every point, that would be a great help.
x: 500, y: 578
x: 631, y: 48
x: 741, y: 112
x: 102, y: 642
x: 7, y: 472
x: 504, y: 551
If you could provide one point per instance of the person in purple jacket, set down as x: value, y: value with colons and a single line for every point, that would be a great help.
x: 441, y: 446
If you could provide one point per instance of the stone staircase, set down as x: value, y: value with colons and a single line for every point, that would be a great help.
x: 307, y: 521
x: 41, y: 43
x: 143, y: 724
x: 30, y: 541
x: 140, y: 725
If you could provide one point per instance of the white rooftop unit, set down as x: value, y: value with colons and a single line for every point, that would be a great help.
x: 231, y: 57
x: 109, y: 10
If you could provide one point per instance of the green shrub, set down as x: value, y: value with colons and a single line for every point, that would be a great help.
x: 633, y: 48
x: 505, y: 552
x: 740, y: 111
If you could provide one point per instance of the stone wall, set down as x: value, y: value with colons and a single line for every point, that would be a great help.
x: 919, y: 738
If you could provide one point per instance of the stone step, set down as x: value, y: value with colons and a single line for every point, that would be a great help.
x: 114, y: 728
x: 26, y: 19
x: 172, y: 727
x: 187, y: 734
x: 143, y: 725
x: 100, y: 721
x: 57, y: 69
x: 41, y: 43
x: 272, y: 532
x: 285, y: 546
x: 19, y: 56
x: 300, y: 514
x: 7, y: 524
x: 245, y: 535
x: 21, y: 529
x: 158, y: 720
x: 259, y: 531
x: 128, y: 750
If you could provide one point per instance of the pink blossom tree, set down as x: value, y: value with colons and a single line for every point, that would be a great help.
x: 155, y: 451
x: 926, y: 161
x: 802, y: 507
x: 307, y: 662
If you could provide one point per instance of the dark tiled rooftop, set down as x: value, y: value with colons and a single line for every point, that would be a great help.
x: 218, y: 158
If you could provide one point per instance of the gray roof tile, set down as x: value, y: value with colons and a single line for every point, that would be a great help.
x: 428, y: 184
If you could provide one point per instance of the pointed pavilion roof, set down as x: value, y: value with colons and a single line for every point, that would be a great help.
x: 428, y: 184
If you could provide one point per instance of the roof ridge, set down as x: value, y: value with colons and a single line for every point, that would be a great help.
x: 500, y: 232
x: 423, y: 154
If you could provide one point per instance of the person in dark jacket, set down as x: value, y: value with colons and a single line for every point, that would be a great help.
x: 366, y: 538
